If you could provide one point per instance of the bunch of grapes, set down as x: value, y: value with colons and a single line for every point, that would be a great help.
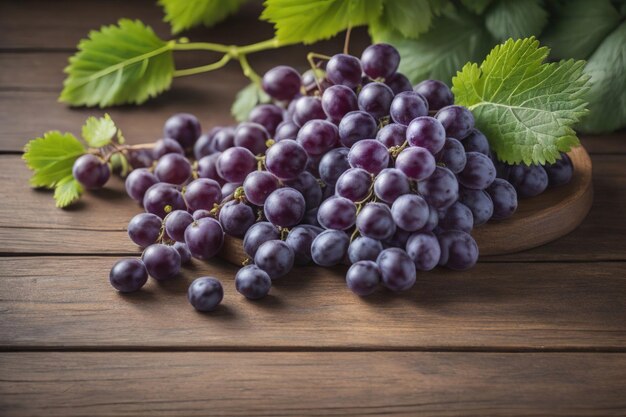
x: 350, y: 165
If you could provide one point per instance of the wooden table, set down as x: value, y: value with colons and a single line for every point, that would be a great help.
x: 541, y: 332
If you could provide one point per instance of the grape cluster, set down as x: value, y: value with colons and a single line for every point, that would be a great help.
x: 350, y: 165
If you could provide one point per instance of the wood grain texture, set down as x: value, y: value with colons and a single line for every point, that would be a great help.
x: 59, y: 302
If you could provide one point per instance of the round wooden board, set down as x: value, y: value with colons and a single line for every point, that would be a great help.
x: 538, y: 220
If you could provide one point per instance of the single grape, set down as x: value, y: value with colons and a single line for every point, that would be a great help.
x: 397, y: 269
x: 224, y: 139
x: 393, y: 134
x: 286, y: 130
x: 363, y: 278
x: 433, y: 220
x: 354, y: 184
x: 175, y: 224
x: 458, y: 121
x: 416, y: 162
x: 300, y: 239
x: 138, y: 182
x: 503, y: 197
x: 437, y: 94
x: 184, y: 128
x: 457, y: 217
x: 310, y: 76
x: 452, y: 156
x: 235, y: 164
x: 128, y: 275
x: 282, y: 82
x: 479, y: 202
x: 144, y: 229
x: 236, y: 218
x: 91, y: 171
x: 364, y: 249
x: 318, y: 136
x: 503, y: 170
x: 410, y: 212
x: 426, y: 132
x: 207, y: 167
x: 424, y: 250
x: 173, y: 168
x: 284, y: 207
x: 274, y: 257
x: 380, y: 60
x: 337, y: 101
x: 286, y: 159
x: 345, y: 70
x: 267, y: 115
x: 406, y: 106
x: 399, y: 83
x: 183, y: 251
x: 337, y: 213
x: 560, y: 172
x: 258, y: 185
x: 205, y: 144
x: 252, y: 282
x: 162, y: 261
x: 333, y: 164
x: 370, y: 155
x: 307, y: 108
x: 201, y: 214
x: 458, y: 250
x: 476, y: 141
x: 529, y: 181
x: 251, y: 136
x: 229, y: 188
x: 330, y: 247
x: 140, y: 158
x: 390, y: 184
x: 375, y: 98
x: 162, y: 198
x: 441, y: 189
x: 205, y: 294
x: 203, y: 193
x: 375, y: 221
x: 309, y: 187
x: 204, y: 238
x: 165, y: 146
x: 258, y: 234
x: 479, y: 171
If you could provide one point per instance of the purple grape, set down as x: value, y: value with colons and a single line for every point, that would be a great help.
x: 138, y: 182
x: 128, y: 275
x: 258, y: 234
x: 224, y: 139
x: 274, y: 257
x: 173, y: 168
x: 476, y: 141
x: 267, y: 115
x: 458, y: 250
x: 252, y: 282
x: 345, y: 70
x: 441, y: 189
x: 364, y: 249
x: 286, y: 130
x: 284, y: 207
x: 337, y: 101
x: 337, y: 213
x: 398, y: 239
x: 308, y: 108
x: 479, y: 202
x: 205, y: 294
x: 354, y: 184
x: 183, y: 128
x: 235, y: 164
x: 370, y: 155
x: 479, y: 171
x: 162, y: 261
x: 363, y: 278
x: 310, y: 218
x: 175, y: 224
x: 380, y: 60
x: 205, y: 144
x: 207, y: 167
x: 183, y: 251
x: 309, y: 187
x: 560, y: 172
x: 424, y: 250
x: 391, y: 135
x: 406, y: 106
x: 318, y: 136
x: 229, y: 188
x: 375, y: 98
x: 426, y: 132
x: 503, y: 170
x: 458, y: 121
x: 251, y: 136
x: 91, y: 171
x: 410, y: 212
x: 437, y: 94
x: 375, y: 221
x: 201, y: 214
x: 282, y: 82
x: 140, y: 158
x: 330, y: 248
x: 204, y: 238
x: 236, y: 218
x: 397, y: 269
x: 390, y: 184
x: 162, y: 198
x: 333, y: 164
x: 144, y: 229
x: 258, y: 185
x: 399, y: 83
x: 203, y: 193
x: 165, y: 146
x: 452, y: 156
x: 433, y: 220
x: 286, y: 159
x: 300, y: 239
x: 503, y: 197
x: 529, y: 181
x: 356, y: 126
x: 457, y: 217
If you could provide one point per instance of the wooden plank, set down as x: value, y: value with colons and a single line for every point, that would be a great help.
x: 54, y: 302
x: 312, y: 384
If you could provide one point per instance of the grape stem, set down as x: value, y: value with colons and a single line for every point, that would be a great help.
x: 310, y: 57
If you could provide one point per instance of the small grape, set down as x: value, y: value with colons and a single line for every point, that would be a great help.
x: 235, y: 164
x: 162, y: 262
x: 478, y: 173
x: 203, y: 193
x: 397, y: 269
x: 390, y: 184
x: 441, y: 189
x: 236, y: 218
x: 337, y: 213
x: 354, y: 184
x: 224, y: 139
x: 258, y: 234
x: 284, y: 207
x: 201, y: 214
x: 375, y: 98
x: 317, y: 136
x: 144, y: 229
x: 364, y: 249
x: 345, y: 70
x: 205, y: 294
x: 330, y: 247
x: 267, y: 115
x: 337, y: 101
x: 286, y: 159
x: 184, y: 128
x: 529, y: 181
x: 426, y: 132
x: 457, y: 217
x: 375, y: 221
x: 504, y: 198
x: 165, y: 146
x: 162, y: 198
x: 128, y: 275
x: 424, y: 250
x: 286, y: 130
x: 204, y: 238
x: 207, y: 167
x: 251, y: 136
x: 175, y: 224
x: 274, y: 257
x: 300, y: 239
x: 458, y: 121
x: 138, y: 182
x: 410, y: 212
x: 282, y: 82
x: 560, y: 172
x: 370, y: 155
x: 307, y: 108
x: 393, y: 134
x: 436, y: 93
x: 252, y: 282
x: 205, y: 144
x: 258, y: 185
x: 399, y: 83
x: 91, y: 171
x: 309, y: 187
x: 363, y: 278
x: 333, y: 164
x: 380, y: 60
x: 173, y: 168
x: 416, y: 163
x: 479, y: 202
x: 458, y: 250
x: 476, y: 141
x: 452, y: 156
x: 406, y: 106
x: 183, y: 251
x: 229, y: 189
x: 140, y: 158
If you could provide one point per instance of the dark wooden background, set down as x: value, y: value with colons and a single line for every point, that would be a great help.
x: 542, y: 332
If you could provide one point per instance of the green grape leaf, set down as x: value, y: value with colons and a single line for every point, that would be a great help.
x: 246, y: 99
x: 67, y: 191
x: 99, y: 132
x: 579, y: 27
x: 525, y: 107
x: 455, y: 39
x: 516, y: 18
x: 313, y: 20
x: 182, y: 15
x: 123, y: 63
x: 607, y: 94
x: 410, y: 17
x: 477, y: 6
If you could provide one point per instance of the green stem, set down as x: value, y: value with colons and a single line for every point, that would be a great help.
x: 248, y: 71
x: 204, y: 68
x: 202, y: 46
x: 259, y: 46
